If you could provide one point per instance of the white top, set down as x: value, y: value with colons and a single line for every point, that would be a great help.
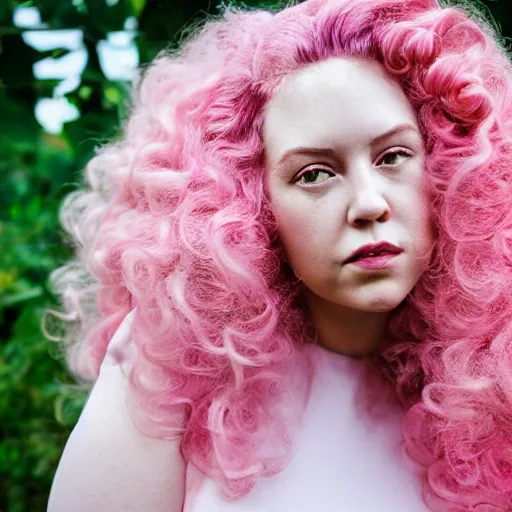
x: 341, y: 459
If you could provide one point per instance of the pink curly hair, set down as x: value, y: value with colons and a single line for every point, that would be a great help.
x: 177, y: 223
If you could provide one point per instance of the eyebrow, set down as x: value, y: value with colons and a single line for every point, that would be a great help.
x: 304, y: 150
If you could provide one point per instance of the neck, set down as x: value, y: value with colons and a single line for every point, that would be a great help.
x: 347, y: 331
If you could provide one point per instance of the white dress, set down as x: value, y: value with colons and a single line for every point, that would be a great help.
x: 342, y: 462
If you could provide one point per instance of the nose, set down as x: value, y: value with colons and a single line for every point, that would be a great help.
x: 367, y: 203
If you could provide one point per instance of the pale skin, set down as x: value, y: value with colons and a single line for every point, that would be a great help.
x: 345, y: 162
x: 107, y: 464
x: 364, y: 141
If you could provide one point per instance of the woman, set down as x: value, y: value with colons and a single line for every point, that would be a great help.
x: 307, y: 209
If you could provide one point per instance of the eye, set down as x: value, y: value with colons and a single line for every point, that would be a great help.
x: 394, y: 158
x: 314, y: 177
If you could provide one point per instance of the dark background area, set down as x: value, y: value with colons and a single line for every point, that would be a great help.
x: 39, y: 402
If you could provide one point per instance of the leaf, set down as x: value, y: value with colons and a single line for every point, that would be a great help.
x: 12, y: 299
x: 18, y: 126
x: 88, y: 132
x: 113, y: 95
x: 55, y: 53
x: 138, y: 6
x: 68, y: 408
x: 5, y: 13
x: 16, y: 61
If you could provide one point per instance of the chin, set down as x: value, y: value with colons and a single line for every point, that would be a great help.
x: 377, y: 302
x: 381, y: 308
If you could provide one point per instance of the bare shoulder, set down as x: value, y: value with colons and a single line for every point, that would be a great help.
x: 109, y: 465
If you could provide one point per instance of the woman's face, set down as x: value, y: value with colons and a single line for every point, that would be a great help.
x: 344, y: 159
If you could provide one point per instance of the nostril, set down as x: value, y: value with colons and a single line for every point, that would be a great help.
x: 384, y: 217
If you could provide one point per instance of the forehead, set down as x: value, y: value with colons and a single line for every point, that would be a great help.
x: 335, y: 102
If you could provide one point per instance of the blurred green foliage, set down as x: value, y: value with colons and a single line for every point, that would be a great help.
x: 39, y: 402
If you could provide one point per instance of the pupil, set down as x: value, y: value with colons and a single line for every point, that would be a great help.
x: 313, y: 175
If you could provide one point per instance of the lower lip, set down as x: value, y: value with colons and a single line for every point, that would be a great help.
x: 374, y: 262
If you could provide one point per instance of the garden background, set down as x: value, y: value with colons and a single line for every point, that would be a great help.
x: 93, y: 47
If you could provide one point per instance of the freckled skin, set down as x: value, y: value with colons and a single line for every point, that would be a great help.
x: 354, y: 190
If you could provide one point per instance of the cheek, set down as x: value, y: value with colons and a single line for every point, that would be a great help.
x: 421, y: 225
x: 414, y: 206
x: 302, y: 234
x: 424, y: 216
x: 294, y: 230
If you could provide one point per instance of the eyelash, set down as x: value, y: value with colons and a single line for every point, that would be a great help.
x: 320, y: 169
x: 396, y: 153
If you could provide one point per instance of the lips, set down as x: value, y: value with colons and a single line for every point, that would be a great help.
x: 373, y: 250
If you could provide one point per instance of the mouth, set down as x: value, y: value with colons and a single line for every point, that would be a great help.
x: 381, y: 250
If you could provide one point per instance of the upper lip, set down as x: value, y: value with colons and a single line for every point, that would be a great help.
x: 373, y: 249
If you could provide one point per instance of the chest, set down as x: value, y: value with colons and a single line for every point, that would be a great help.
x: 341, y: 461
